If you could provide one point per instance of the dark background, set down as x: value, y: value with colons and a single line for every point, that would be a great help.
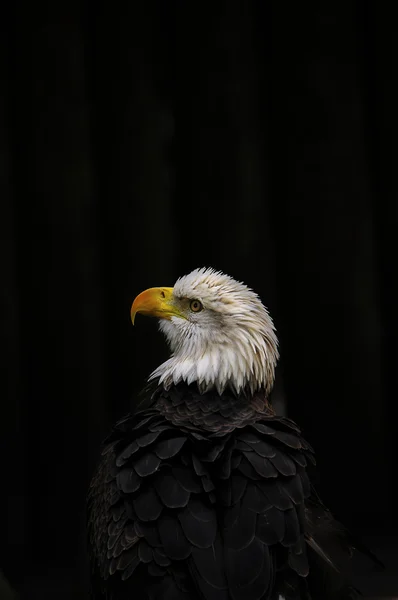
x: 140, y: 141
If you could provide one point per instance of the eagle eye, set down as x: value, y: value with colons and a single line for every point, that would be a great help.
x: 195, y: 306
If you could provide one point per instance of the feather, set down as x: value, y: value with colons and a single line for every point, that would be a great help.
x: 199, y: 524
x: 114, y: 495
x: 127, y: 452
x: 147, y: 505
x: 128, y: 557
x: 298, y: 562
x: 170, y: 491
x: 117, y: 512
x: 262, y: 465
x: 299, y: 458
x: 197, y: 465
x: 293, y: 441
x: 265, y: 429
x: 248, y: 471
x: 263, y: 449
x: 112, y: 542
x: 312, y: 543
x: 128, y: 481
x: 187, y: 479
x: 128, y: 571
x: 294, y: 489
x: 207, y: 484
x: 201, y: 512
x: 238, y: 486
x: 147, y: 439
x: 141, y: 422
x: 144, y: 552
x: 284, y: 464
x: 174, y: 542
x: 214, y: 453
x: 209, y: 564
x: 169, y: 448
x: 239, y: 532
x: 160, y: 558
x: 292, y: 528
x: 271, y: 526
x: 243, y: 568
x: 115, y: 527
x: 205, y: 589
x: 276, y: 495
x: 248, y: 436
x: 149, y: 532
x: 147, y: 464
x: 160, y: 428
x: 255, y: 499
x: 235, y: 461
x: 108, y: 448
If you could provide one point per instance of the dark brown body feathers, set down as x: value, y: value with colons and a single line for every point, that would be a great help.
x: 208, y: 497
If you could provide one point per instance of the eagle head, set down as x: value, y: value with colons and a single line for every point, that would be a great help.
x: 219, y: 332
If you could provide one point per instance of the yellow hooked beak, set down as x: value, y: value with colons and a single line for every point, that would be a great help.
x: 155, y: 302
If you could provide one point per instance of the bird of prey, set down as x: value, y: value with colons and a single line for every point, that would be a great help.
x: 202, y: 493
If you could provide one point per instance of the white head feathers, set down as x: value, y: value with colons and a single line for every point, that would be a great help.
x: 229, y: 342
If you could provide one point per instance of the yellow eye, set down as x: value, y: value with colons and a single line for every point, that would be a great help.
x: 195, y: 306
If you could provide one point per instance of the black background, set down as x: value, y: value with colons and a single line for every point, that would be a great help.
x: 140, y: 141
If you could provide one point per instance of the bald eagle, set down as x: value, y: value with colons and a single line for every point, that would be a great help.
x: 203, y: 492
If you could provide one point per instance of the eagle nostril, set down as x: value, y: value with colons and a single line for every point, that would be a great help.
x: 162, y: 294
